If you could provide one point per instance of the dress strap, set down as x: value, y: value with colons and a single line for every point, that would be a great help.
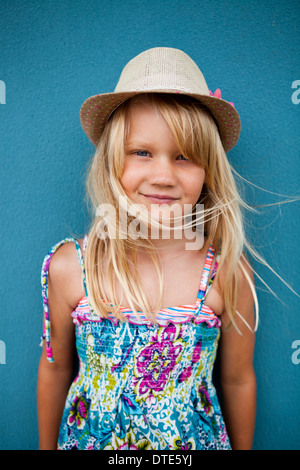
x: 44, y: 282
x: 81, y: 262
x: 211, y: 280
x: 206, y: 282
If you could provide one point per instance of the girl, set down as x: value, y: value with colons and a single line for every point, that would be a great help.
x: 148, y: 306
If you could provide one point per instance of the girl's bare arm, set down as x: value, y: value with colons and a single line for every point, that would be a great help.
x: 238, y: 381
x: 54, y: 378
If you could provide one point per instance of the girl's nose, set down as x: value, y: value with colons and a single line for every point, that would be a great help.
x: 162, y: 172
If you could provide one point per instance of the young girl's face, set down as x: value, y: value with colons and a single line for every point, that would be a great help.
x: 155, y: 171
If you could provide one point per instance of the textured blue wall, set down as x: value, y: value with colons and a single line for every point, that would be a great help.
x: 55, y: 54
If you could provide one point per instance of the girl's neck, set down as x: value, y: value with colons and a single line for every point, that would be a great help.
x: 167, y: 248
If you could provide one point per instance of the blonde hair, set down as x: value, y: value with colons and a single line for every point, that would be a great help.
x: 197, y: 137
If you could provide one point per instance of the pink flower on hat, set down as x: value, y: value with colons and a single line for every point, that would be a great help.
x: 217, y: 94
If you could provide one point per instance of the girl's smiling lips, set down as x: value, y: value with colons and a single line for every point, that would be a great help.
x: 160, y: 198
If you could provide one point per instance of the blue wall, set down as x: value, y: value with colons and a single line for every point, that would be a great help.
x: 55, y: 54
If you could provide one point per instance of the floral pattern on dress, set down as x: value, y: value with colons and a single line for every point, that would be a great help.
x: 155, y: 363
x: 143, y: 386
x: 78, y: 412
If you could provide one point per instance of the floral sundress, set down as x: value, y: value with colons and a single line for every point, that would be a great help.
x: 140, y: 385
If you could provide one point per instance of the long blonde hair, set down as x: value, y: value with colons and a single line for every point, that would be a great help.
x: 197, y: 137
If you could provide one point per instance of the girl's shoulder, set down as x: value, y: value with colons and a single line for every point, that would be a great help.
x: 246, y: 297
x: 243, y: 277
x: 244, y: 270
x: 65, y: 273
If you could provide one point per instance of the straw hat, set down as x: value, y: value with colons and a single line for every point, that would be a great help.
x: 160, y: 70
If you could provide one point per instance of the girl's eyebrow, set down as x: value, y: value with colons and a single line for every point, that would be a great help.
x: 137, y: 141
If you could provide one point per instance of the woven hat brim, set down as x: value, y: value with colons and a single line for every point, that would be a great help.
x: 96, y: 110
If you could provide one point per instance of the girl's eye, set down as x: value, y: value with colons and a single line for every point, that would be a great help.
x: 142, y: 153
x: 182, y: 157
